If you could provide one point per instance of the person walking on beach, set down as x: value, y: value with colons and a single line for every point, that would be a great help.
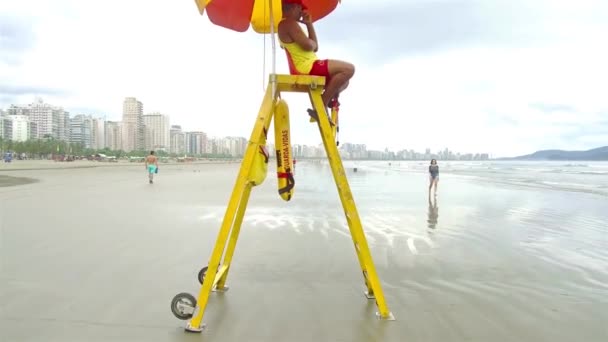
x: 434, y: 176
x: 151, y: 166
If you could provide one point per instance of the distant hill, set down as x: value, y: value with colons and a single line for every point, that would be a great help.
x: 600, y: 153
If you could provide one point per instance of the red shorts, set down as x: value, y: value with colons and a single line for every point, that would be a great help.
x: 320, y: 68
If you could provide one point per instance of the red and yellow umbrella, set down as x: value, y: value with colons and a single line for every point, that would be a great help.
x: 238, y: 15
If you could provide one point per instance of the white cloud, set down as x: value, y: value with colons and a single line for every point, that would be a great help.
x: 207, y: 78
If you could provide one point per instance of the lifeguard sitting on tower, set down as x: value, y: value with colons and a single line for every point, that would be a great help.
x: 301, y: 52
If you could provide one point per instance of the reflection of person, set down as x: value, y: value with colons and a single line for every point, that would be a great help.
x: 301, y: 49
x: 434, y: 175
x: 151, y: 166
x: 433, y: 213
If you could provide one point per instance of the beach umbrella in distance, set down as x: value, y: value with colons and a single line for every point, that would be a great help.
x: 239, y: 15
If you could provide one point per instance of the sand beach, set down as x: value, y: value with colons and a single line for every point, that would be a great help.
x: 94, y: 253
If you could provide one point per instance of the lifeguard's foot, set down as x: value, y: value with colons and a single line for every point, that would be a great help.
x: 333, y: 103
x: 314, y: 116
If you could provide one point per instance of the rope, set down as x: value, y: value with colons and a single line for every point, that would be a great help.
x: 274, y: 49
x: 264, y: 56
x: 272, y: 34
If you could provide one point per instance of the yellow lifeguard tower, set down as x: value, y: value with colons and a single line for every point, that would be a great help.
x: 253, y: 168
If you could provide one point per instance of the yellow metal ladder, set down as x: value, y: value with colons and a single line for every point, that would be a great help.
x: 217, y: 271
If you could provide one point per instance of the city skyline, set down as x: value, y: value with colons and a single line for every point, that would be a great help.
x: 162, y: 135
x: 155, y: 131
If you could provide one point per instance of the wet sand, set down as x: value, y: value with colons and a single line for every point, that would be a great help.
x: 97, y: 254
x: 14, y: 181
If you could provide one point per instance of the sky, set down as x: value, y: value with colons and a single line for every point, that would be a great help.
x: 505, y: 77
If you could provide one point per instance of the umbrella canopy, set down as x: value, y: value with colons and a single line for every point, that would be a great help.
x: 238, y: 15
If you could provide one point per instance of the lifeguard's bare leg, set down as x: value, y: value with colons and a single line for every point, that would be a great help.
x: 340, y: 74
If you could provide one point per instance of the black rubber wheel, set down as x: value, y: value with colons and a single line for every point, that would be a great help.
x: 182, y: 299
x: 201, y: 274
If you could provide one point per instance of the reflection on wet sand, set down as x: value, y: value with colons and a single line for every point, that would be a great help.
x: 433, y: 212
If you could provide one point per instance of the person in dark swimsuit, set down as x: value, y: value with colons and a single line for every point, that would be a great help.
x: 434, y: 175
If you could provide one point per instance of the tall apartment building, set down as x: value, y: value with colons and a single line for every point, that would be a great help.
x: 214, y: 146
x: 177, y: 140
x: 50, y: 121
x: 63, y: 123
x: 33, y: 130
x: 211, y: 146
x: 196, y: 143
x: 6, y: 126
x: 18, y: 110
x: 98, y: 134
x: 235, y: 146
x: 113, y: 135
x: 132, y: 125
x: 157, y: 132
x: 81, y: 130
x: 354, y: 150
x: 21, y: 129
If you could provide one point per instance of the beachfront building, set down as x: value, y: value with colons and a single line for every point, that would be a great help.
x: 157, y: 132
x: 196, y: 143
x: 49, y: 120
x: 306, y: 151
x: 98, y: 134
x: 81, y: 130
x: 113, y: 135
x: 234, y: 146
x: 216, y: 146
x: 211, y: 146
x: 132, y: 125
x: 177, y: 140
x: 21, y: 129
x: 12, y: 111
x: 354, y: 151
x: 408, y: 155
x: 6, y: 126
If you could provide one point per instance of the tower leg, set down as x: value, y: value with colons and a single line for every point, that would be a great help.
x: 220, y: 283
x: 240, y: 195
x: 372, y: 281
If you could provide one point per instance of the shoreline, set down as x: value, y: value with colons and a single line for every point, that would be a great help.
x: 35, y: 165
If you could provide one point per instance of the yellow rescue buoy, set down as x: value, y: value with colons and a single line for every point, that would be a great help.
x: 282, y: 142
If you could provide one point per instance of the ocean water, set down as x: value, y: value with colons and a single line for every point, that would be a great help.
x: 516, y: 246
x: 591, y: 177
